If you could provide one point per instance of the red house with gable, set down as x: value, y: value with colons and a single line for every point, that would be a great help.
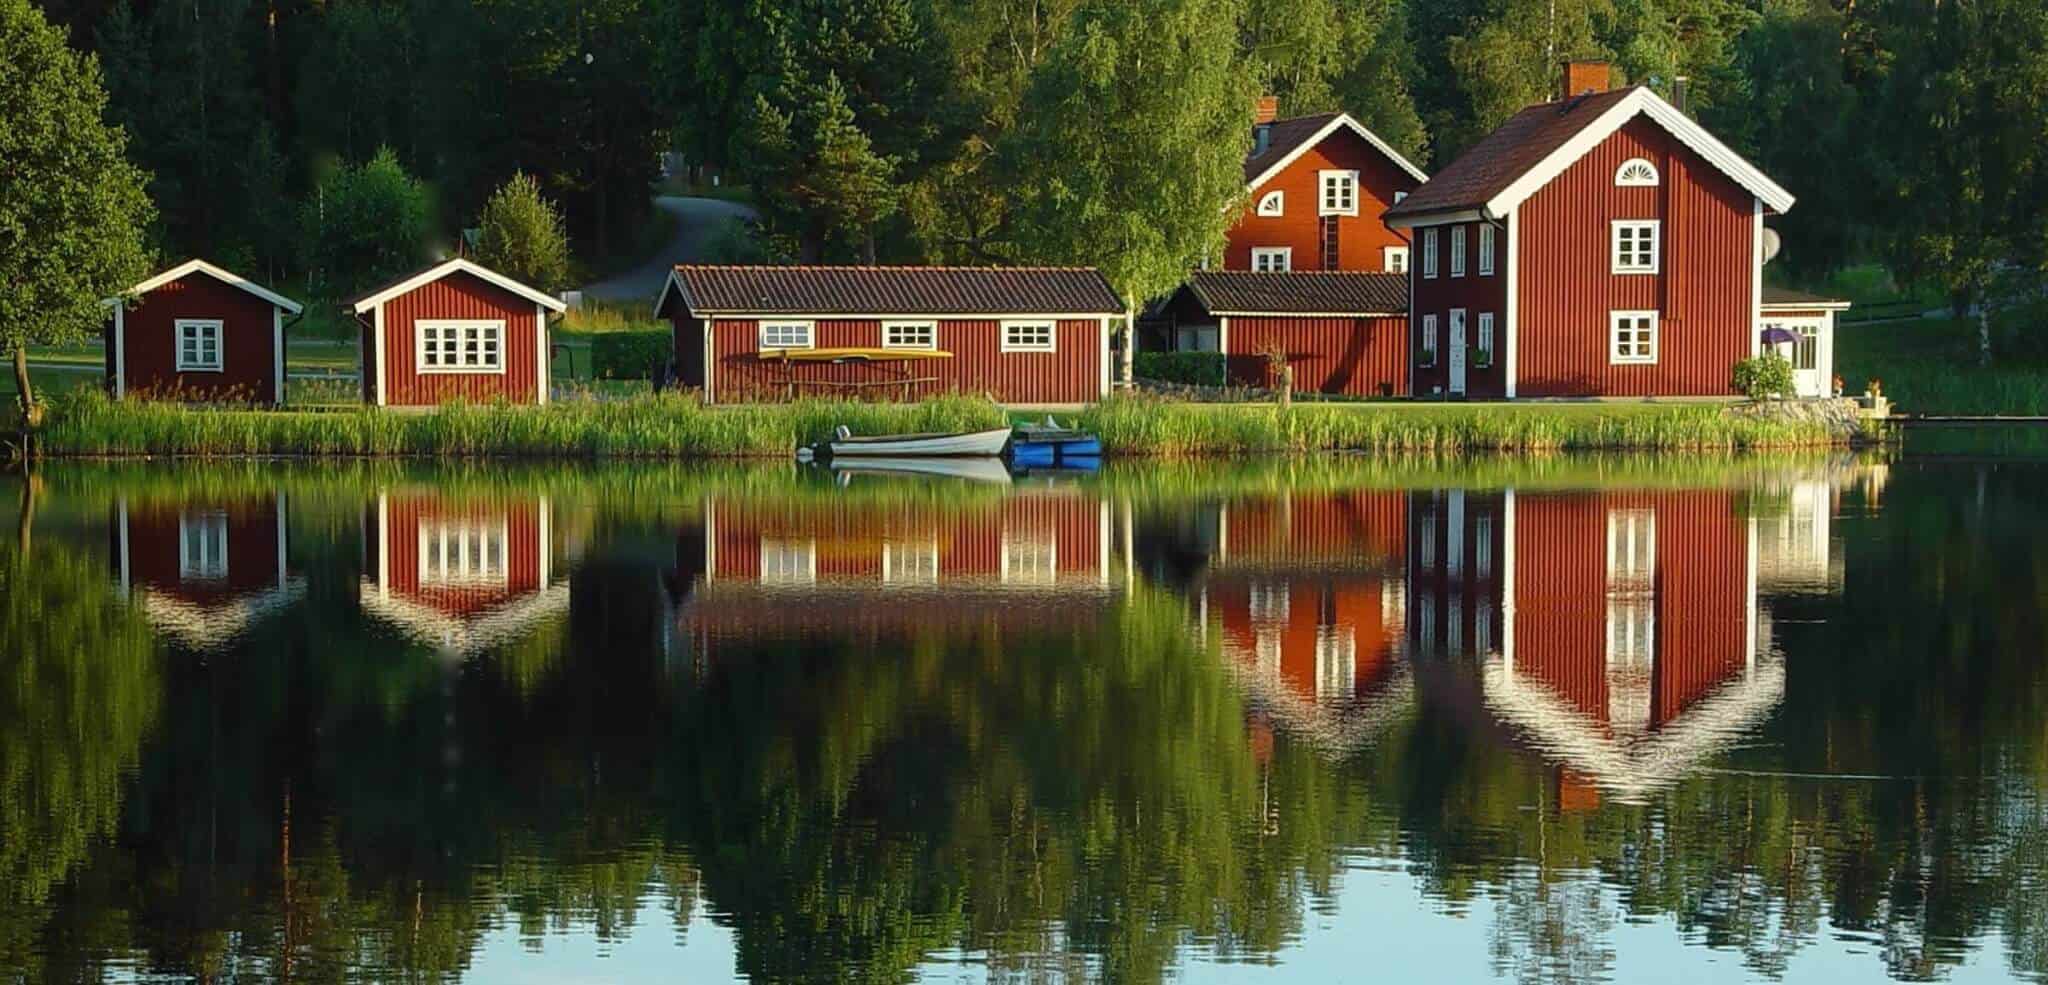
x: 1601, y: 245
x: 1317, y: 186
x: 454, y: 330
x: 198, y: 332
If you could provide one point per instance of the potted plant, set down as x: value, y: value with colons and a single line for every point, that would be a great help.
x: 1427, y: 358
x: 1481, y: 358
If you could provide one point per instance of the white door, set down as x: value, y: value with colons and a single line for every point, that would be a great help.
x: 1457, y: 351
x: 1809, y: 353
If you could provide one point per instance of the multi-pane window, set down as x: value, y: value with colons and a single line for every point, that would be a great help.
x: 912, y: 563
x: 461, y: 347
x: 1428, y: 340
x: 1396, y: 259
x: 1631, y: 587
x: 198, y: 345
x: 1429, y: 237
x: 1486, y: 234
x: 1340, y: 193
x: 1027, y: 336
x: 1485, y: 338
x: 789, y: 562
x: 1457, y: 251
x: 1272, y: 259
x: 1029, y: 559
x: 1633, y: 337
x: 785, y: 335
x: 1635, y: 246
x: 203, y: 546
x: 1806, y: 350
x: 910, y: 335
x: 460, y: 552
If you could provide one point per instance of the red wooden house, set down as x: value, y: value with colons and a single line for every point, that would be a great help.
x: 204, y: 570
x: 1601, y: 245
x: 198, y: 332
x: 463, y: 575
x: 454, y: 330
x: 1020, y: 334
x: 1317, y: 186
x: 1342, y: 332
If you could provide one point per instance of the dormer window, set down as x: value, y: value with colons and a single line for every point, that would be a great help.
x: 1636, y: 173
x: 1274, y: 203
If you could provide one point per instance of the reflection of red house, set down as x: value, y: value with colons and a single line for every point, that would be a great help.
x: 1457, y: 561
x: 204, y: 570
x: 463, y: 574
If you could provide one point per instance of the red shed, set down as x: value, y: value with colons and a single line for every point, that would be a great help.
x: 1601, y: 245
x: 1342, y: 332
x: 1019, y: 334
x: 1316, y: 188
x: 454, y: 330
x: 204, y: 570
x: 198, y: 332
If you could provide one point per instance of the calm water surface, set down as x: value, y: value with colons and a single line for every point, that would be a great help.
x: 1322, y: 720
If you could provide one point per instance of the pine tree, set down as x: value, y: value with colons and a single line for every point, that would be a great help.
x: 521, y: 235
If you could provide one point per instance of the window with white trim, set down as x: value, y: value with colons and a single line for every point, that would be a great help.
x: 1336, y: 660
x: 459, y: 552
x: 1636, y: 172
x: 1428, y: 354
x: 1631, y: 586
x: 1030, y: 559
x: 910, y: 563
x: 1272, y: 259
x: 1028, y: 336
x: 1632, y: 337
x: 1340, y: 193
x: 1273, y: 203
x: 1635, y: 246
x: 1266, y: 602
x: 1429, y: 252
x: 1486, y: 234
x: 199, y: 345
x: 910, y: 335
x: 459, y: 346
x: 1486, y: 338
x: 1394, y: 259
x: 202, y: 546
x: 785, y: 335
x: 1457, y: 251
x: 789, y: 562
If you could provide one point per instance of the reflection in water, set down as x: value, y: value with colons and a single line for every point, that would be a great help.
x: 386, y: 724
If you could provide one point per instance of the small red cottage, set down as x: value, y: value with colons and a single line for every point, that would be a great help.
x: 463, y: 575
x: 1601, y: 245
x: 198, y: 332
x: 1020, y: 334
x: 1317, y: 186
x: 204, y: 570
x: 454, y: 330
x: 1342, y: 332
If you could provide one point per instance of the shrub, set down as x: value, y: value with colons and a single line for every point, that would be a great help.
x: 629, y: 355
x: 521, y: 235
x: 1763, y: 377
x: 366, y: 223
x: 1193, y: 368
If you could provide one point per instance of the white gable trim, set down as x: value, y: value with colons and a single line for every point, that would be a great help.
x: 1643, y: 101
x: 225, y: 277
x: 460, y: 265
x: 1342, y: 120
x: 674, y: 284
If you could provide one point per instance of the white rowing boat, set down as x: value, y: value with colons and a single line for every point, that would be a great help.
x: 964, y: 443
x: 980, y: 469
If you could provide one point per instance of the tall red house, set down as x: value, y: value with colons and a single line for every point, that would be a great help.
x: 1601, y: 245
x: 1317, y: 186
x: 198, y: 332
x: 456, y: 330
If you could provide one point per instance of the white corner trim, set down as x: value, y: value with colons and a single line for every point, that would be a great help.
x: 460, y: 265
x: 225, y: 277
x: 280, y: 538
x: 277, y: 365
x: 673, y: 283
x: 1342, y: 120
x: 710, y: 361
x: 1510, y: 316
x: 1756, y: 280
x: 540, y: 357
x: 383, y: 355
x: 120, y: 352
x: 1102, y: 387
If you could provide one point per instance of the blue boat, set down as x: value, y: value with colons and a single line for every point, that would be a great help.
x: 1048, y: 444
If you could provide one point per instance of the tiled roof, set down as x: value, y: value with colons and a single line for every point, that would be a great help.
x: 1492, y: 164
x: 1785, y: 297
x: 894, y: 290
x: 1281, y: 141
x: 1300, y: 292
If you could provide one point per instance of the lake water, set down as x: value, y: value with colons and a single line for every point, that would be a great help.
x: 1630, y: 720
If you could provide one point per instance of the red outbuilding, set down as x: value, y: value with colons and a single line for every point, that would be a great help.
x: 1019, y: 334
x: 197, y: 332
x: 1341, y: 332
x: 1601, y: 245
x: 456, y: 330
x: 1316, y: 188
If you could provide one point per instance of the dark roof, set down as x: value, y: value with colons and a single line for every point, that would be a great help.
x: 1785, y: 297
x: 894, y: 290
x: 1300, y: 292
x: 1285, y: 136
x: 1492, y: 164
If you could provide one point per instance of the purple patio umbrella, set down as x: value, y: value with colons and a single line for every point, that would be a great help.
x: 1775, y: 335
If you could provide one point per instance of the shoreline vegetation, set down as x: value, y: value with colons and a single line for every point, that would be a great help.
x: 85, y: 424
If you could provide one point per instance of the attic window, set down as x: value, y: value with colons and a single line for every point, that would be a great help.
x: 1636, y: 173
x: 1274, y: 203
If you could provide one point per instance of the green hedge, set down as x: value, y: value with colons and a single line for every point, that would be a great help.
x: 1196, y: 368
x: 629, y: 355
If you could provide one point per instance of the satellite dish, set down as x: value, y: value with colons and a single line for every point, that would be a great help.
x: 1772, y: 244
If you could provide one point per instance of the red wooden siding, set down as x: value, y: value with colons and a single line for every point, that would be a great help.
x: 409, y: 514
x: 460, y: 295
x: 153, y: 548
x: 1474, y: 292
x: 1330, y: 355
x: 1070, y: 374
x: 248, y: 346
x: 1704, y: 289
x: 1361, y: 238
x: 1361, y: 527
x: 847, y: 541
x: 1339, y: 604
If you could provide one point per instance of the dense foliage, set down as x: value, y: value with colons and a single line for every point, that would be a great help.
x: 1194, y: 368
x: 1764, y: 377
x: 630, y: 355
x: 521, y: 236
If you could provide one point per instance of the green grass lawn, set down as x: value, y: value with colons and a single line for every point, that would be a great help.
x: 1930, y: 366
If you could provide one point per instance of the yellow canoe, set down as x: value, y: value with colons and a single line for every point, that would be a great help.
x: 850, y: 355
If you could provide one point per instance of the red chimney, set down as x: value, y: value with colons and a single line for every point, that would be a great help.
x: 1581, y: 78
x: 1268, y: 109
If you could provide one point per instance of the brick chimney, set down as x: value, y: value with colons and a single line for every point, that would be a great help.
x: 1265, y: 111
x: 1268, y: 109
x: 1581, y: 78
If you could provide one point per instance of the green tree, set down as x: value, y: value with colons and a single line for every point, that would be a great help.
x: 365, y: 223
x: 72, y: 207
x: 521, y: 235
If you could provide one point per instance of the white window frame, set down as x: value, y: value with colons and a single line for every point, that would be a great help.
x: 1052, y: 335
x: 910, y: 562
x: 1457, y: 251
x: 1429, y: 245
x: 1623, y: 178
x: 461, y: 327
x: 1485, y: 339
x: 787, y: 562
x: 203, y: 546
x: 891, y: 338
x: 1263, y: 258
x: 1486, y: 248
x: 1429, y: 341
x: 1029, y: 558
x: 1394, y: 259
x: 1345, y: 181
x: 1629, y: 262
x: 1615, y: 320
x: 768, y: 330
x: 1273, y: 203
x: 444, y: 556
x: 203, y: 330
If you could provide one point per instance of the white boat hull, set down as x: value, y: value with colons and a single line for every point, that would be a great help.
x: 987, y: 470
x: 973, y: 443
